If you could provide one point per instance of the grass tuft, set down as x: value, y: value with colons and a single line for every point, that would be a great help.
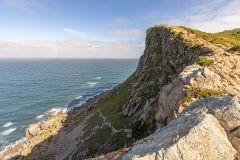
x: 204, y: 61
x: 202, y: 93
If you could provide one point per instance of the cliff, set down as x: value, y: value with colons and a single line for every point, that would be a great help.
x: 179, y: 66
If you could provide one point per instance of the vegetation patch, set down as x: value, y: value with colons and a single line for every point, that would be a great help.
x: 234, y: 33
x: 237, y: 156
x: 187, y: 99
x: 201, y: 93
x: 229, y: 38
x: 120, y: 121
x: 116, y: 100
x: 235, y: 48
x: 117, y: 141
x: 204, y: 61
x: 143, y: 128
x: 94, y: 121
x: 98, y: 140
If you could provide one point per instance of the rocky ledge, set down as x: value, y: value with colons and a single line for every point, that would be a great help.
x: 207, y: 129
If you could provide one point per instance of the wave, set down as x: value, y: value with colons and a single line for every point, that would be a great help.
x: 98, y: 77
x: 92, y: 83
x: 11, y: 145
x: 80, y: 100
x: 77, y: 101
x: 9, y: 131
x: 78, y: 97
x: 56, y: 111
x: 8, y: 124
x: 40, y: 116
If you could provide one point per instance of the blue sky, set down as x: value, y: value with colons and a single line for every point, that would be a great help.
x: 101, y: 28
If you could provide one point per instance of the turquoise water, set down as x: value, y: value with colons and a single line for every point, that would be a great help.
x: 30, y: 88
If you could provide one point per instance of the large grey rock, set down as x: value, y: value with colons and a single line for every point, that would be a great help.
x: 169, y: 99
x: 198, y: 76
x: 200, y: 132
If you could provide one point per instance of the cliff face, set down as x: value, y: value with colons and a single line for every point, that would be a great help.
x: 168, y: 51
x: 177, y: 68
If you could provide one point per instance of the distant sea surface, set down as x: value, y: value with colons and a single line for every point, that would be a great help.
x: 31, y: 88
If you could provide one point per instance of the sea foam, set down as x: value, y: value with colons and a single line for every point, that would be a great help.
x: 55, y: 111
x: 78, y: 97
x: 40, y: 116
x: 12, y: 144
x: 9, y: 131
x: 8, y: 124
x: 92, y: 83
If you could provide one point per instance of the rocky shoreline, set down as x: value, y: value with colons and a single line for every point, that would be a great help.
x: 35, y: 134
x: 38, y: 132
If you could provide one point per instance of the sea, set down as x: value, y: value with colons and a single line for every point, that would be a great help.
x: 32, y: 88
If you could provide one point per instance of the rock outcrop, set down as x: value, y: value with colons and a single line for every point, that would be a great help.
x: 178, y: 69
x: 202, y: 131
x: 35, y: 134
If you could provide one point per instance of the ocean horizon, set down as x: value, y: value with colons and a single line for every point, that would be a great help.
x: 32, y: 88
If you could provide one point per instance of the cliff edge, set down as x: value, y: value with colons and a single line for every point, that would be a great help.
x: 168, y: 99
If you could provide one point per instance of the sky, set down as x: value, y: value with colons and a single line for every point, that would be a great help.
x: 101, y: 28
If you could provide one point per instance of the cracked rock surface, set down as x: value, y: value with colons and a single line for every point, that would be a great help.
x: 201, y: 131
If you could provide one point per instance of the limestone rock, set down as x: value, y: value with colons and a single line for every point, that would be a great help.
x: 196, y: 75
x: 32, y: 130
x: 36, y: 129
x: 199, y: 132
x: 169, y: 98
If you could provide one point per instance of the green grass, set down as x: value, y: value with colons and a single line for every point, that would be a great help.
x: 204, y: 61
x: 120, y: 121
x: 235, y: 48
x: 99, y: 139
x: 237, y: 154
x: 111, y: 107
x: 234, y: 33
x: 93, y: 122
x: 187, y: 99
x: 202, y: 93
x: 229, y: 38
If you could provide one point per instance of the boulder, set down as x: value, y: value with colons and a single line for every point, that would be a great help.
x: 32, y: 130
x: 196, y: 75
x: 201, y: 132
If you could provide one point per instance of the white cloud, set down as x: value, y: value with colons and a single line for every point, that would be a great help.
x: 126, y: 33
x: 210, y: 16
x: 120, y: 21
x: 73, y: 32
x: 70, y: 48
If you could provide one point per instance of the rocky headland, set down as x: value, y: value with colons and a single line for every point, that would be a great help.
x: 182, y: 102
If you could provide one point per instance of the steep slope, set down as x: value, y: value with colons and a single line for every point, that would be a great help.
x: 166, y: 81
x: 202, y: 131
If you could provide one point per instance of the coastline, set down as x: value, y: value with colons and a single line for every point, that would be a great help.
x: 66, y: 81
x: 38, y: 132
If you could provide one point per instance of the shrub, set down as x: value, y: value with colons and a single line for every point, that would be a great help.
x: 187, y: 99
x: 204, y: 61
x: 235, y: 48
x: 202, y: 93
